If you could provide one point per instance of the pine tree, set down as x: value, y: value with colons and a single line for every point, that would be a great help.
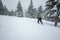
x: 1, y: 8
x: 35, y: 13
x: 31, y: 10
x: 12, y: 13
x: 40, y: 9
x: 53, y: 13
x: 19, y: 10
x: 6, y: 11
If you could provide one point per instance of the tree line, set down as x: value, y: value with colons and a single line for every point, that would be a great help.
x: 31, y: 12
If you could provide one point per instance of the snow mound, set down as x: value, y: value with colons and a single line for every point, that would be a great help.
x: 19, y: 28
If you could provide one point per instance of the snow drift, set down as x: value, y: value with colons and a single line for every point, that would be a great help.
x: 18, y: 28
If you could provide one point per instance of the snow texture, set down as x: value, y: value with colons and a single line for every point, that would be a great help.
x: 19, y: 28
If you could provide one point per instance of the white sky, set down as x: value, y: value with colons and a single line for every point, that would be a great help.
x: 12, y: 4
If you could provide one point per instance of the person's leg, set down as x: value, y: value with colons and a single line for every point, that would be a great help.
x: 38, y: 20
x: 41, y: 20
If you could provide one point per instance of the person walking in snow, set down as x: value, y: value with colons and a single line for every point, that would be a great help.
x: 39, y: 17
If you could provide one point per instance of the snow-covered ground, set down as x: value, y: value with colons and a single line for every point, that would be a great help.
x: 18, y: 28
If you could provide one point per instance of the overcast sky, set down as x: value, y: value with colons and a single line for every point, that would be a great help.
x: 12, y: 4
